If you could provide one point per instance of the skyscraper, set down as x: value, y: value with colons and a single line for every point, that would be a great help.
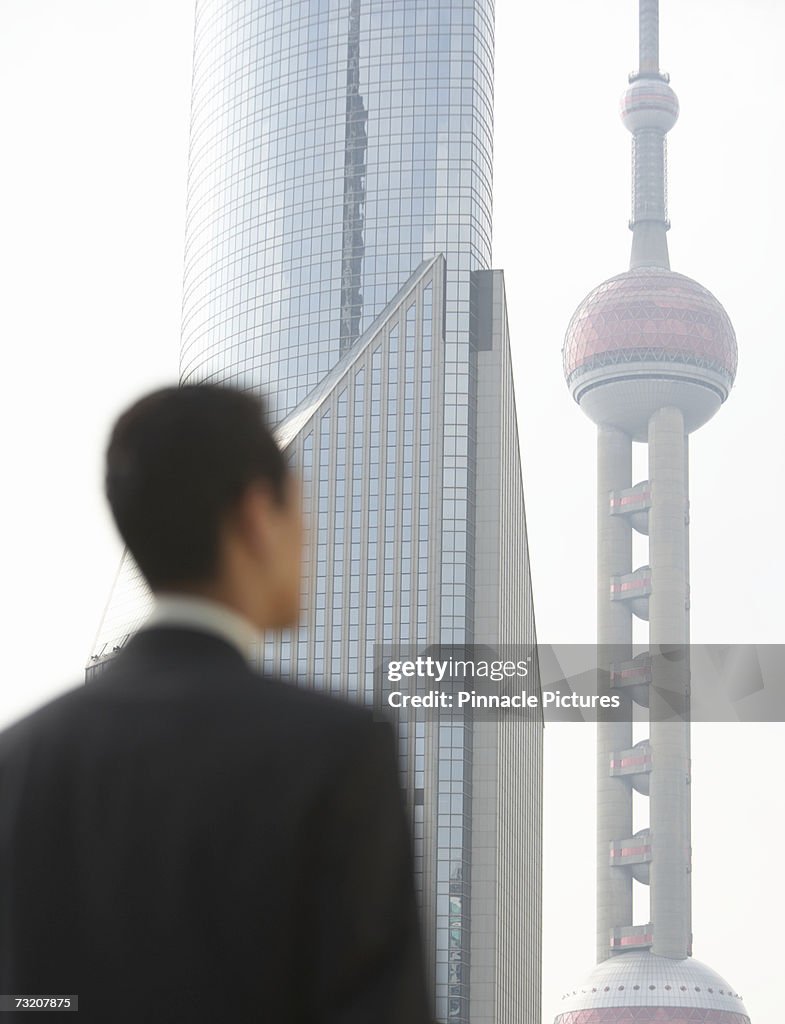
x: 650, y: 355
x: 338, y: 249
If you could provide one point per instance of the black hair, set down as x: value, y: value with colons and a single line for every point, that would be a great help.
x: 177, y: 462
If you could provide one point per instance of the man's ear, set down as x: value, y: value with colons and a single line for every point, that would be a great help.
x: 251, y: 517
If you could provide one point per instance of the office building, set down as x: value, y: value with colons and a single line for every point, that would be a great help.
x: 338, y: 259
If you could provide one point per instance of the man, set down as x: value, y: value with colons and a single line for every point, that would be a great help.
x: 183, y: 839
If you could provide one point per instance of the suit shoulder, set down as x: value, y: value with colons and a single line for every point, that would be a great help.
x: 316, y: 727
x: 43, y: 718
x: 325, y: 708
x: 354, y: 745
x: 45, y: 732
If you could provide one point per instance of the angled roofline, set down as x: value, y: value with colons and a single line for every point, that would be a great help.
x: 291, y: 425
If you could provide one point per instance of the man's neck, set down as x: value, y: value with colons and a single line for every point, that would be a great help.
x: 205, y: 614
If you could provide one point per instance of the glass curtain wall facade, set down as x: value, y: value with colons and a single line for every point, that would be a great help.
x: 334, y: 145
x: 337, y: 252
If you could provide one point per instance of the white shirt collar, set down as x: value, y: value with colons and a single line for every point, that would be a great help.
x: 205, y: 615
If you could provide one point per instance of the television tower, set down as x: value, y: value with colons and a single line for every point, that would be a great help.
x: 650, y: 355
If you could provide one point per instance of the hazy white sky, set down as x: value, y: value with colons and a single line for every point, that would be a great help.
x: 94, y: 106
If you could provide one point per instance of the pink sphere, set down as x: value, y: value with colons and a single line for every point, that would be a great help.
x: 645, y: 339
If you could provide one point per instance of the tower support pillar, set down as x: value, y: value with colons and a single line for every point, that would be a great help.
x: 614, y: 635
x: 669, y: 699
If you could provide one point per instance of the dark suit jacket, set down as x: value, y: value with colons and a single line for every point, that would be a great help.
x: 185, y: 840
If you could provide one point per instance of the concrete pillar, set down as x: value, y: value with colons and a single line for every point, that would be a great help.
x: 669, y: 796
x: 614, y: 637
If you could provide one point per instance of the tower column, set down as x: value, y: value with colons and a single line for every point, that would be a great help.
x: 614, y: 637
x: 649, y: 208
x: 669, y: 702
x: 649, y: 36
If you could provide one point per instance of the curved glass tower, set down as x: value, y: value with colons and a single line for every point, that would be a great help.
x: 334, y: 145
x: 337, y: 259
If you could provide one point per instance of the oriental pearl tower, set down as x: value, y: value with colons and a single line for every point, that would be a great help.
x: 650, y: 356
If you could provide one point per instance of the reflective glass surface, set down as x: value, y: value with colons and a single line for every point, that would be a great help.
x: 334, y: 145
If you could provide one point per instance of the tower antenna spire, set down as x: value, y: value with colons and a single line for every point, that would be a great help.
x: 649, y: 37
x: 649, y: 109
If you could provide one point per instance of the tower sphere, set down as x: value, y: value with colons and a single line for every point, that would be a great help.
x: 646, y: 339
x: 649, y: 103
x: 648, y: 989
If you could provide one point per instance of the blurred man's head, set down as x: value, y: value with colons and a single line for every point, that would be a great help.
x: 203, y: 497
